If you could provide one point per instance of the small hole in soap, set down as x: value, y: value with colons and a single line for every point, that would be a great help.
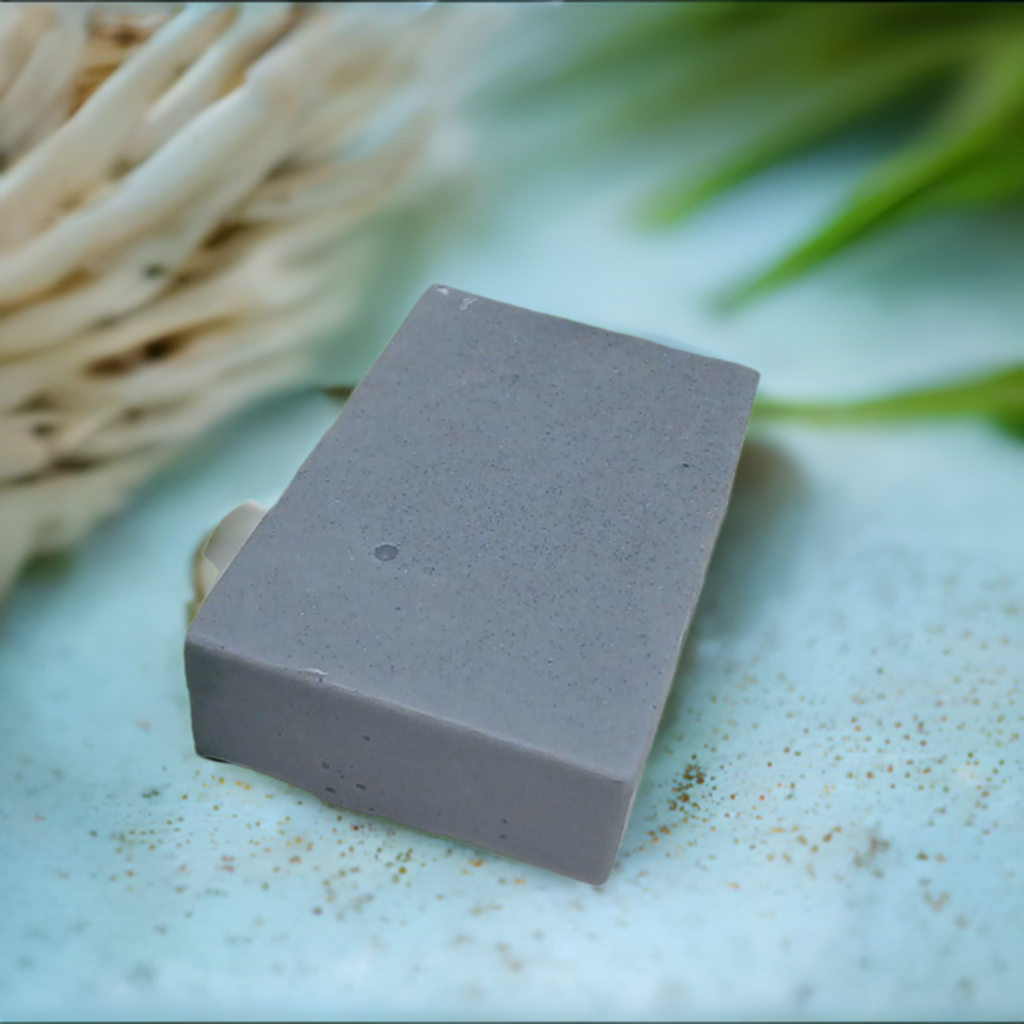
x: 504, y: 821
x: 367, y: 738
x: 359, y: 785
x: 503, y: 837
x: 385, y: 552
x: 330, y: 789
x: 324, y: 764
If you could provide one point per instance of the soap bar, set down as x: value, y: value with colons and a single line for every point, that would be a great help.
x: 465, y: 611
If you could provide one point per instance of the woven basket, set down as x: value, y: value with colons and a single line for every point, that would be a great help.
x: 182, y: 190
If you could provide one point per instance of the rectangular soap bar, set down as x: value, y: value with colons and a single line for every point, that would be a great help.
x: 465, y: 612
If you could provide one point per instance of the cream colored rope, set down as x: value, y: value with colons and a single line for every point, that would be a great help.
x: 182, y: 192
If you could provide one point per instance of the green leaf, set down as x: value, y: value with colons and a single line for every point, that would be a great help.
x: 998, y: 396
x: 760, y: 82
x: 987, y: 110
x: 810, y: 116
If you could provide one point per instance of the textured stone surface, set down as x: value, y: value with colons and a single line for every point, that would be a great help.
x: 465, y: 612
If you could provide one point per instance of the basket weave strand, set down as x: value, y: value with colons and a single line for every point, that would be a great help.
x: 182, y: 189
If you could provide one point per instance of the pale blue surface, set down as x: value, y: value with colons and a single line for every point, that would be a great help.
x: 850, y: 697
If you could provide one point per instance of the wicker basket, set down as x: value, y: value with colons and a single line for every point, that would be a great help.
x: 180, y: 197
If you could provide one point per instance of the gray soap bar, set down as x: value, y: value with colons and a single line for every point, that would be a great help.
x: 465, y: 611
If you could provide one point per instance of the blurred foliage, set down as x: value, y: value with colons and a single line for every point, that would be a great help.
x: 998, y: 397
x: 785, y: 76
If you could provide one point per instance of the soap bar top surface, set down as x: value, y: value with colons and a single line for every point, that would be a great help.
x: 507, y: 527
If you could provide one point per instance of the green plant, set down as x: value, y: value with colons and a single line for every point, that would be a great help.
x: 782, y: 77
x: 998, y: 397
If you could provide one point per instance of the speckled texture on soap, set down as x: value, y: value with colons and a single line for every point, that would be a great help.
x: 465, y: 611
